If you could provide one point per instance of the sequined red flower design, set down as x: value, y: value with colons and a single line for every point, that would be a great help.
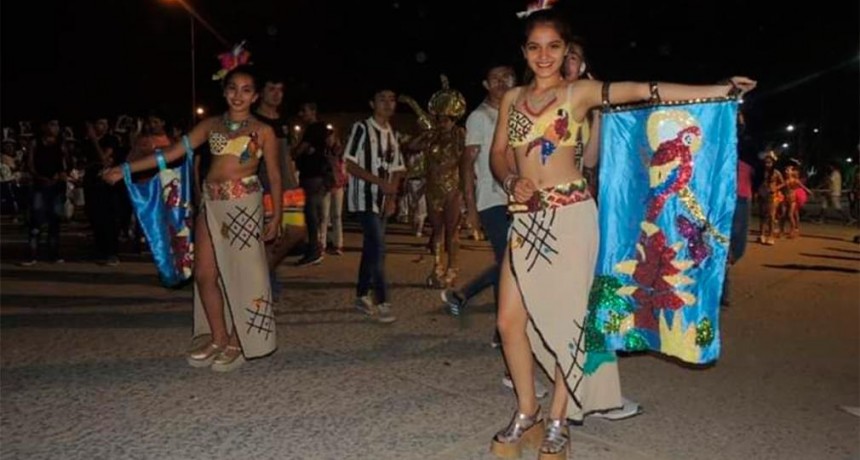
x: 657, y: 275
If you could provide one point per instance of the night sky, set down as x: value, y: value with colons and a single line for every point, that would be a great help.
x: 78, y: 59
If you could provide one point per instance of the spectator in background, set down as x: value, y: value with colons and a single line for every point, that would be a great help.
x: 100, y: 197
x: 9, y: 176
x: 294, y: 232
x: 47, y: 165
x: 314, y: 178
x: 333, y: 199
x: 832, y: 196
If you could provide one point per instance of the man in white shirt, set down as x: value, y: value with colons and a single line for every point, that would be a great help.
x: 832, y: 198
x: 485, y: 198
x: 376, y: 166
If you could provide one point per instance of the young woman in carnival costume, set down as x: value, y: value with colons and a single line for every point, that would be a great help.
x: 232, y: 293
x: 770, y: 198
x: 544, y: 291
x: 443, y: 145
x: 795, y: 197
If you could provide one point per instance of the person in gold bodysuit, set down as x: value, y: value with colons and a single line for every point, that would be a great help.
x: 443, y: 145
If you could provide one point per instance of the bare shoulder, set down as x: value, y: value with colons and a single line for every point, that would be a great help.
x: 264, y: 129
x: 202, y: 129
x: 211, y: 122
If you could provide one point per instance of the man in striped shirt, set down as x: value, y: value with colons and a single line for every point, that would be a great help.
x: 376, y: 167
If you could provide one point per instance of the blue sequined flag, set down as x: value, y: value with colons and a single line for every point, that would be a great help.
x: 163, y: 206
x: 667, y: 196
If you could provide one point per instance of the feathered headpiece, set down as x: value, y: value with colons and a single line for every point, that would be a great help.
x: 232, y: 59
x: 536, y: 6
x: 447, y: 101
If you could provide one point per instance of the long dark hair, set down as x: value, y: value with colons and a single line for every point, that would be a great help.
x: 545, y: 17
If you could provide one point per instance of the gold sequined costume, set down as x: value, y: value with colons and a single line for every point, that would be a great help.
x: 442, y: 166
x: 442, y: 148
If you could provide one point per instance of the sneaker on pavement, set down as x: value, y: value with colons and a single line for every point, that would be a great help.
x: 454, y: 302
x: 364, y: 305
x: 627, y: 410
x: 540, y: 389
x: 308, y: 261
x: 383, y: 313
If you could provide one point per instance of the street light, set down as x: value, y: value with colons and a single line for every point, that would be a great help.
x: 815, y: 130
x: 785, y: 145
x: 193, y: 63
x: 194, y: 16
x: 201, y: 111
x: 789, y: 128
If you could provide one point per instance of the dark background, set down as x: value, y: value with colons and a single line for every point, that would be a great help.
x: 78, y: 59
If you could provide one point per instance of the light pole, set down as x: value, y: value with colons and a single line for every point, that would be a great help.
x: 194, y: 16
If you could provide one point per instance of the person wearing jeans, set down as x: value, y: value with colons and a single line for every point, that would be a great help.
x: 314, y: 177
x: 485, y: 199
x: 495, y: 222
x: 375, y: 166
x: 371, y: 271
x: 48, y: 169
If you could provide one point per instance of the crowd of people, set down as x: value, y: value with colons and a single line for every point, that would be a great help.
x: 500, y: 174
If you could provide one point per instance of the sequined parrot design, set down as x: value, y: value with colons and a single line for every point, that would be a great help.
x: 671, y: 168
x: 658, y: 273
x: 658, y: 283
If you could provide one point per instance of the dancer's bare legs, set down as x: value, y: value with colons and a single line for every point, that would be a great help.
x: 206, y: 277
x: 511, y: 323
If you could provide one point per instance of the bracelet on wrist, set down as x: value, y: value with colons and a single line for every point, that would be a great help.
x: 509, y: 183
x: 734, y: 89
x: 654, y: 91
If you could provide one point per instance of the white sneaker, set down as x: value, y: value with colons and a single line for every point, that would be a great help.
x: 364, y: 305
x: 540, y: 390
x: 383, y: 313
x: 627, y: 410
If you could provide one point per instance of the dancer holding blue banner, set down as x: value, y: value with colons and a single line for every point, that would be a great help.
x: 232, y: 294
x: 553, y: 245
